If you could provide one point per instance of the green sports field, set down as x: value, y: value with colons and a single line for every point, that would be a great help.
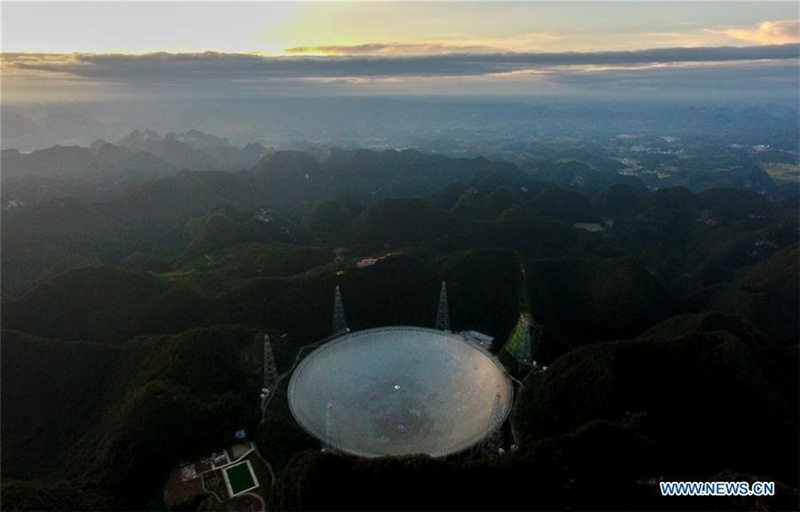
x: 240, y: 477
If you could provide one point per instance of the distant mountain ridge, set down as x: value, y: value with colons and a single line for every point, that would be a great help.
x: 194, y: 150
x: 146, y: 313
x: 471, y: 201
x: 104, y: 169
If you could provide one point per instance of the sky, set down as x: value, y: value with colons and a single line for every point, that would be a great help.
x: 105, y: 50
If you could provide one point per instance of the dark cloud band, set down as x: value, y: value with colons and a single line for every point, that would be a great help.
x: 212, y: 66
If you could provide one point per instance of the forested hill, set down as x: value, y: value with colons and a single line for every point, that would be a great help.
x: 131, y: 328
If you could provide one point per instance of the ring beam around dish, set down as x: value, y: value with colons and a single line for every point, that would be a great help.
x: 399, y: 391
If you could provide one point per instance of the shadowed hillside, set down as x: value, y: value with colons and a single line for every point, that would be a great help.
x: 114, y: 419
x: 667, y: 320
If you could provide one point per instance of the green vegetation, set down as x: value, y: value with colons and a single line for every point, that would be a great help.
x: 599, y: 465
x: 223, y: 269
x: 55, y: 236
x: 699, y: 392
x: 279, y: 435
x: 105, y: 304
x: 517, y: 350
x: 613, y: 298
x: 36, y: 495
x: 783, y: 171
x: 115, y: 419
x: 132, y: 328
x: 565, y: 205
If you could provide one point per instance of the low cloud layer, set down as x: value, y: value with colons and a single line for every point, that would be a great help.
x: 391, y: 49
x: 193, y: 67
x: 760, y: 70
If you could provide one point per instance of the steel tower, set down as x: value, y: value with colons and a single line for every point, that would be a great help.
x: 270, y: 368
x: 270, y: 371
x: 520, y: 345
x: 330, y: 430
x: 339, y: 320
x: 494, y: 442
x: 443, y: 313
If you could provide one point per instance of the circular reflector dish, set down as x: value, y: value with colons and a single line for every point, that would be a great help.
x: 400, y: 391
